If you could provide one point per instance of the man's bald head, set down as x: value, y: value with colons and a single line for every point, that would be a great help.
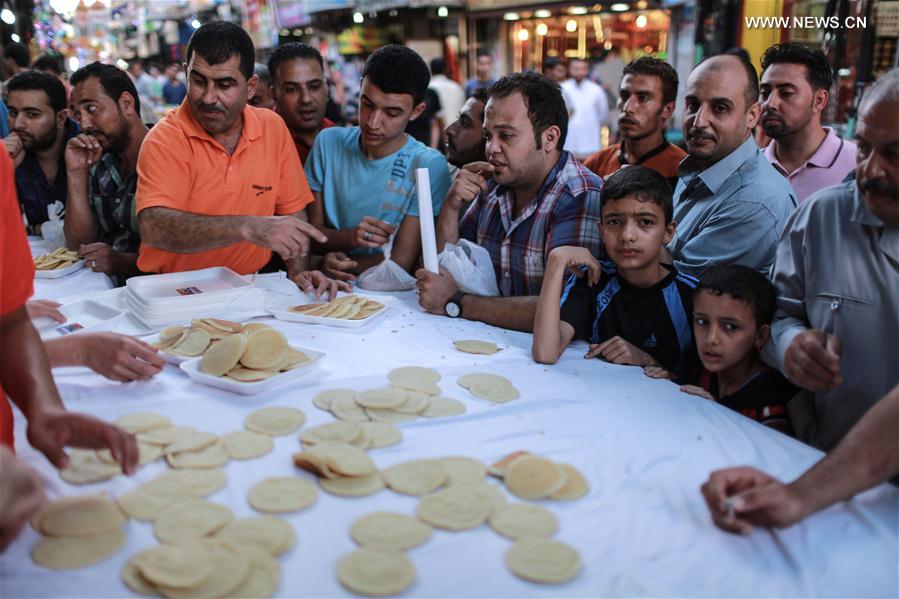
x: 727, y: 62
x: 885, y: 89
x: 877, y: 136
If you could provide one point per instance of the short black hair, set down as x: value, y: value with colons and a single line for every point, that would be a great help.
x: 551, y: 62
x: 742, y: 283
x: 654, y: 67
x: 261, y: 71
x: 38, y: 81
x: 438, y: 66
x: 114, y: 81
x: 397, y: 69
x: 818, y: 71
x: 18, y: 53
x: 482, y: 52
x: 643, y: 183
x: 543, y: 98
x: 293, y: 51
x: 218, y: 41
x: 48, y: 62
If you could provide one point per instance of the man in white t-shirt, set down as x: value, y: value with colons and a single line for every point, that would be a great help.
x: 590, y: 109
x: 451, y: 94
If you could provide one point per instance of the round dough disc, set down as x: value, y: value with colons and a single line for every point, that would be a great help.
x: 230, y: 567
x: 357, y: 486
x: 441, y: 407
x: 134, y: 580
x: 533, y: 477
x: 191, y: 519
x: 149, y: 500
x: 195, y: 442
x: 281, y: 495
x: 323, y: 400
x: 416, y: 477
x: 175, y: 566
x: 270, y: 534
x: 454, y: 508
x: 492, y: 387
x: 381, y: 434
x: 78, y: 516
x: 390, y: 531
x: 542, y: 560
x: 85, y: 467
x: 473, y: 346
x: 200, y: 481
x: 346, y: 408
x: 343, y: 459
x: 264, y: 577
x: 575, y: 486
x: 243, y: 445
x: 524, y: 520
x: 71, y: 553
x: 141, y: 422
x: 375, y: 573
x: 275, y: 421
x: 464, y: 470
x: 224, y: 355
x: 212, y: 456
x: 415, y: 378
x: 340, y: 431
x: 381, y: 399
x: 265, y: 349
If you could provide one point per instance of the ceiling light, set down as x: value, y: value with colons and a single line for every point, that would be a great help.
x: 15, y: 37
x: 542, y: 29
x: 571, y: 26
x: 510, y: 16
x: 542, y: 13
x: 577, y: 10
x: 442, y: 12
x: 523, y: 35
x: 8, y: 16
x: 641, y: 21
x: 358, y: 17
x: 619, y: 7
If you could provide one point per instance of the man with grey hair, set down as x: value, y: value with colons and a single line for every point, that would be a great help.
x: 263, y: 98
x: 837, y: 277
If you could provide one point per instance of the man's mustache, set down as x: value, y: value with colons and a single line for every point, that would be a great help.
x: 878, y: 186
x: 210, y: 107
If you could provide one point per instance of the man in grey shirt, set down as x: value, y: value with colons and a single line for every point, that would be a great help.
x: 730, y: 204
x: 836, y: 330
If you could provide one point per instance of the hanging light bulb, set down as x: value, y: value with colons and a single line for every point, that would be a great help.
x: 542, y: 29
x: 571, y: 26
x: 7, y: 16
x: 523, y: 35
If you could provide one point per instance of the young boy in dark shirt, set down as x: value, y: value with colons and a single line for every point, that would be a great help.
x: 732, y: 310
x: 634, y: 310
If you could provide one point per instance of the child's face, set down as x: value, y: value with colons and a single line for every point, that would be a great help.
x: 633, y: 232
x: 725, y: 330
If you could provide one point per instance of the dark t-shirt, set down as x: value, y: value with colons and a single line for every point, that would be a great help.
x: 763, y: 398
x: 657, y: 319
x: 420, y: 128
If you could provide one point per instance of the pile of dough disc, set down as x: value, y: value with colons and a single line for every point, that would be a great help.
x: 342, y: 468
x: 77, y: 532
x: 348, y: 307
x: 491, y: 387
x: 192, y: 341
x: 474, y: 346
x: 413, y: 393
x: 530, y: 476
x: 254, y: 353
x: 275, y: 421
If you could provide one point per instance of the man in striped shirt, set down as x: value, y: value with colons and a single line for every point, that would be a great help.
x: 730, y: 204
x: 527, y: 199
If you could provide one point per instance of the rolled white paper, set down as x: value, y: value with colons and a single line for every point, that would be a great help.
x: 426, y: 218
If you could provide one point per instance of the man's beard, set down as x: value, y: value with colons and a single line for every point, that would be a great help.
x: 42, y: 143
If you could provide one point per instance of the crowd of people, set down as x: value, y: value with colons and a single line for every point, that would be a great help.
x: 764, y: 279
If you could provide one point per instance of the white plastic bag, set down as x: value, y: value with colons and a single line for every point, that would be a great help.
x: 386, y: 276
x: 471, y: 267
x: 52, y: 230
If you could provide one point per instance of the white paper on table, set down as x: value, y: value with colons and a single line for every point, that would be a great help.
x: 426, y: 212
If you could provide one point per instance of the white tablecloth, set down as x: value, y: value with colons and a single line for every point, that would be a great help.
x: 83, y: 281
x: 644, y: 447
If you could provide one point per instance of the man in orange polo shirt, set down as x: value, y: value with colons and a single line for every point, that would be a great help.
x: 25, y: 377
x: 219, y: 182
x: 646, y: 100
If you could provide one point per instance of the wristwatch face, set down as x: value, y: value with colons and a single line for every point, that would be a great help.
x: 452, y: 309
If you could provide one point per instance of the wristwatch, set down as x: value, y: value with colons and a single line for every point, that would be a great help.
x: 453, y: 307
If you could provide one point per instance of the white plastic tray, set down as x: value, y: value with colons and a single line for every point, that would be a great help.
x: 158, y: 320
x: 192, y: 368
x: 280, y: 309
x: 85, y: 316
x: 176, y: 311
x: 193, y: 286
x: 59, y: 272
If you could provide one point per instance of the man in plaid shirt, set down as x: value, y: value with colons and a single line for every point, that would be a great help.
x: 101, y: 222
x: 530, y: 197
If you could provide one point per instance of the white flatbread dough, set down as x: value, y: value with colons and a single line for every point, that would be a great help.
x: 175, y: 566
x: 134, y: 580
x: 575, y: 486
x: 78, y: 516
x: 165, y: 436
x: 212, y: 456
x: 264, y: 577
x: 542, y: 560
x: 416, y: 477
x: 389, y: 531
x: 464, y: 470
x: 71, y: 553
x: 533, y: 477
x: 375, y: 573
x: 491, y: 387
x: 415, y: 378
x: 520, y: 520
x: 244, y: 445
x: 490, y: 494
x: 454, y: 508
x: 230, y: 568
x: 323, y: 400
x: 381, y: 399
x: 85, y: 467
x: 281, y: 495
x: 200, y: 481
x: 381, y: 434
x: 441, y: 407
x: 357, y: 486
x: 267, y: 533
x: 195, y: 442
x: 141, y: 422
x: 275, y: 421
x: 340, y: 430
x: 473, y: 346
x: 191, y: 519
x: 150, y: 499
x: 346, y: 408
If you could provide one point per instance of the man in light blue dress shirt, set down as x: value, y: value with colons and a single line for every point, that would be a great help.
x: 730, y: 204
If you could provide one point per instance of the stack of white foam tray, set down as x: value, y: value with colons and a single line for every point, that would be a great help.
x: 159, y: 300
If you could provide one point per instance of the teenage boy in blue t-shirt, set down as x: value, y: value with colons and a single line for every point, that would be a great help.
x: 363, y: 178
x: 634, y: 311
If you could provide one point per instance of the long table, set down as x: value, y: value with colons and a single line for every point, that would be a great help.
x: 644, y: 447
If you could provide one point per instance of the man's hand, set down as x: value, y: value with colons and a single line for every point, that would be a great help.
x: 49, y: 431
x: 697, y: 391
x: 657, y: 372
x: 373, y: 233
x: 337, y: 265
x: 21, y: 495
x: 100, y: 257
x: 468, y: 184
x: 813, y: 360
x: 740, y: 498
x: 572, y: 258
x: 287, y: 236
x: 13, y: 145
x: 42, y: 308
x: 317, y: 283
x: 618, y: 351
x: 435, y: 290
x: 82, y: 152
x: 119, y: 357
